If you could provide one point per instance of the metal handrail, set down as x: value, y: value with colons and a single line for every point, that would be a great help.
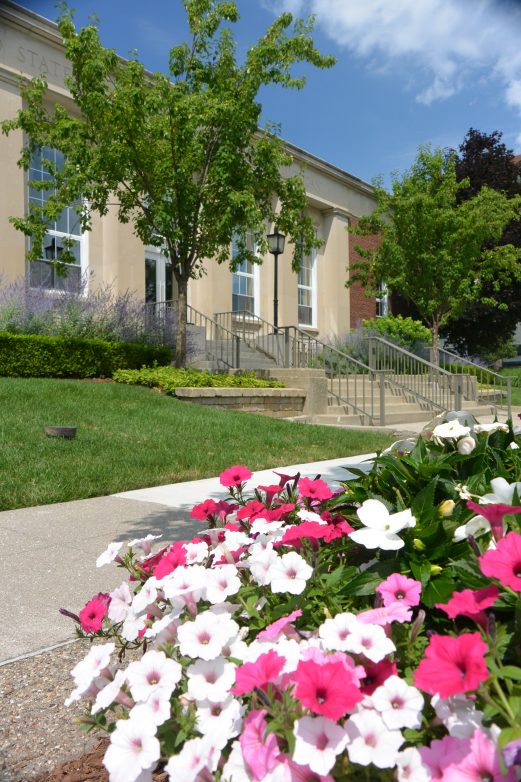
x: 429, y: 384
x: 220, y: 344
x: 254, y: 331
x: 483, y: 384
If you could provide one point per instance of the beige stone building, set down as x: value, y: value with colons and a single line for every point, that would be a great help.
x: 316, y: 299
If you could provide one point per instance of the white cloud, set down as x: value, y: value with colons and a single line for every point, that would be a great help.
x: 443, y: 43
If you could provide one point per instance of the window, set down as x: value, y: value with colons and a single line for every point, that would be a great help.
x: 244, y: 281
x: 41, y: 273
x: 307, y: 289
x: 382, y: 301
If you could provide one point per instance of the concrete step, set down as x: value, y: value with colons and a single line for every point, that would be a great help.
x: 403, y: 408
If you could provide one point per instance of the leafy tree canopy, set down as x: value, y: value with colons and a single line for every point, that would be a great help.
x: 485, y: 330
x: 180, y: 155
x: 431, y: 249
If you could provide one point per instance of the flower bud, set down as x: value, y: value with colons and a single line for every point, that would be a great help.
x: 446, y: 508
x: 435, y: 570
x: 466, y: 445
x: 513, y: 446
x: 418, y: 545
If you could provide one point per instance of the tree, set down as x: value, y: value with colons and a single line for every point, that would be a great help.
x: 485, y: 330
x: 181, y: 155
x: 431, y: 249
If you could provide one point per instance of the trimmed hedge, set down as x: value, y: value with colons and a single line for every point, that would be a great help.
x: 36, y: 355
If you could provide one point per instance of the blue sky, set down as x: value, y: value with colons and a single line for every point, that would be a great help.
x: 408, y: 72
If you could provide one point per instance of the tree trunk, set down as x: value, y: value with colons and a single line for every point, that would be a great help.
x: 435, y: 350
x: 180, y: 339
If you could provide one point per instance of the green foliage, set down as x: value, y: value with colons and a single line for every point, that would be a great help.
x: 35, y: 355
x: 167, y: 379
x: 179, y: 153
x: 404, y: 332
x: 432, y: 246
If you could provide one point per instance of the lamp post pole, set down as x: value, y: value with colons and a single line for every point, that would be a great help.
x: 276, y: 244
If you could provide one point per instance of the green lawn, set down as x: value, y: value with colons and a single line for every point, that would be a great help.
x: 131, y: 437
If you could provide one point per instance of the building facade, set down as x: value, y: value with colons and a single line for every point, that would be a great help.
x: 110, y: 254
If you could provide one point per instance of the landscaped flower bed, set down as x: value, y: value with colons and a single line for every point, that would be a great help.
x: 309, y: 634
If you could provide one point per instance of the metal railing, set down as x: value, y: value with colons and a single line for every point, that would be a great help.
x: 255, y: 332
x: 432, y: 386
x: 479, y: 384
x: 351, y: 382
x: 205, y: 336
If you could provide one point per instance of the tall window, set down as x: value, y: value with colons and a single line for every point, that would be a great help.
x: 67, y: 227
x: 244, y: 281
x: 307, y: 315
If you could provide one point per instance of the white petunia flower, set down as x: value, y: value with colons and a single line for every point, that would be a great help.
x: 490, y: 428
x: 120, y: 600
x: 409, y: 766
x: 133, y: 749
x: 290, y: 573
x: 154, y: 672
x: 371, y: 641
x: 221, y: 582
x: 146, y: 596
x: 93, y: 664
x: 109, y: 555
x: 145, y: 544
x: 335, y: 632
x: 220, y: 720
x: 196, y: 757
x: 196, y: 552
x: 261, y: 563
x: 476, y: 526
x: 210, y: 680
x: 502, y: 492
x: 155, y: 709
x: 370, y: 741
x: 207, y: 635
x: 164, y: 630
x: 235, y: 767
x: 318, y: 742
x: 108, y: 694
x: 380, y: 527
x: 186, y: 582
x: 263, y: 526
x: 133, y: 625
x: 459, y: 715
x: 309, y: 515
x: 399, y: 705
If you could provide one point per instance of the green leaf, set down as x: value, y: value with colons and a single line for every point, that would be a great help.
x: 510, y: 672
x: 438, y: 590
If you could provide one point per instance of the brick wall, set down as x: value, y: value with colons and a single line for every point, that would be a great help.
x: 362, y: 307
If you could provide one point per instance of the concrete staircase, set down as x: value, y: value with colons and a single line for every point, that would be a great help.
x: 400, y: 406
x: 219, y: 354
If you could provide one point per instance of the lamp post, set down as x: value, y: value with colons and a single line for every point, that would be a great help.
x: 276, y: 245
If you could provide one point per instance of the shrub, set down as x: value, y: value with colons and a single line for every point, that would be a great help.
x: 170, y: 378
x: 404, y: 332
x: 35, y: 355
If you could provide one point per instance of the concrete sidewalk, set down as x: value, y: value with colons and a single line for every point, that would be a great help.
x: 49, y: 552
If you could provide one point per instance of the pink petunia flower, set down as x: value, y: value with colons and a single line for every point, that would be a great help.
x: 452, y: 665
x: 400, y: 588
x: 376, y: 674
x: 94, y: 612
x: 470, y: 603
x: 175, y: 557
x: 481, y: 762
x: 504, y: 563
x: 265, y: 670
x: 494, y: 513
x: 394, y: 612
x: 314, y: 490
x: 260, y: 751
x: 234, y: 476
x: 442, y: 753
x: 328, y: 689
x: 204, y: 510
x: 272, y: 631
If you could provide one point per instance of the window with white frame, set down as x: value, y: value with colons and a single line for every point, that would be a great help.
x: 244, y: 281
x: 65, y: 230
x: 307, y: 290
x: 382, y: 301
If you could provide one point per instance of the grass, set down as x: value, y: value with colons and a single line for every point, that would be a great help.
x: 515, y: 374
x: 130, y: 437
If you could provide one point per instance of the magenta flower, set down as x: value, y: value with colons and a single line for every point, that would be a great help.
x: 400, y: 588
x: 272, y: 631
x: 452, y: 665
x: 480, y: 763
x: 171, y: 560
x: 376, y: 674
x: 328, y: 689
x: 504, y: 562
x: 234, y: 476
x: 265, y: 670
x: 470, y: 603
x: 204, y: 510
x: 94, y: 612
x: 260, y: 752
x: 494, y: 513
x: 314, y: 490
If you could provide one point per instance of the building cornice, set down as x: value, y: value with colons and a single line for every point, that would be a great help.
x: 30, y: 22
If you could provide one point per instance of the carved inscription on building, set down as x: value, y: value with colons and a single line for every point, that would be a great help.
x: 32, y: 57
